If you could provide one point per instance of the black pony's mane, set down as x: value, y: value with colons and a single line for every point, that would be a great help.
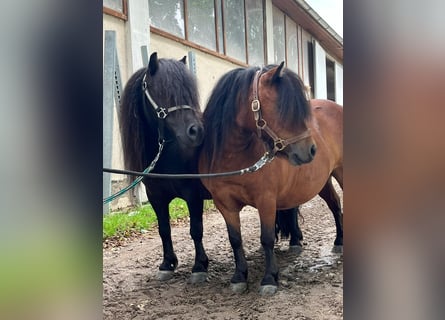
x: 172, y: 84
x: 232, y: 91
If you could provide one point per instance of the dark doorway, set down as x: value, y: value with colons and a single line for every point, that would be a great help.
x: 330, y: 79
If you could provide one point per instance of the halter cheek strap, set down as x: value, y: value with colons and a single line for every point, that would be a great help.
x: 161, y: 112
x: 261, y: 124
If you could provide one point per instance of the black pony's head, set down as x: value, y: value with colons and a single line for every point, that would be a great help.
x: 160, y: 102
x: 173, y: 100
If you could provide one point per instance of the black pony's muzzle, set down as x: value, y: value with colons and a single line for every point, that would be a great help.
x: 195, y: 132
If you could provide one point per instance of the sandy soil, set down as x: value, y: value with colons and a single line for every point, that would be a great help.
x: 311, y: 284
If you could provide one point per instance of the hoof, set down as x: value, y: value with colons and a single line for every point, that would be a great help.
x: 239, y: 287
x: 295, y: 249
x: 198, y: 277
x: 164, y: 275
x: 337, y: 249
x: 268, y: 290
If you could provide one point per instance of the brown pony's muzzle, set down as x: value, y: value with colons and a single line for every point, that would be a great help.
x: 301, y: 152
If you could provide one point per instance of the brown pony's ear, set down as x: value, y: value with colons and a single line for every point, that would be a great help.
x: 278, y: 73
x: 184, y: 60
x: 153, y: 65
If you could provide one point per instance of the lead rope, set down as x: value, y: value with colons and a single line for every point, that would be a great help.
x: 266, y: 158
x: 139, y: 178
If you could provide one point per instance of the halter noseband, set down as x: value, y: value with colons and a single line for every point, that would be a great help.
x: 261, y: 124
x: 161, y: 112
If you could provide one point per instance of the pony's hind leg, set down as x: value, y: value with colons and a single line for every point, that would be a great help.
x: 296, y: 236
x: 170, y: 261
x: 332, y: 199
x: 338, y: 175
x: 199, y: 270
x: 287, y: 225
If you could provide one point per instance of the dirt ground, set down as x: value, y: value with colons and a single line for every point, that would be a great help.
x: 311, y: 283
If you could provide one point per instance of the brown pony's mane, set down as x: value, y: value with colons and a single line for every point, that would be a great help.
x: 233, y: 90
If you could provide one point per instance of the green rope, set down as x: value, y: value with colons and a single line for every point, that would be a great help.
x: 138, y: 179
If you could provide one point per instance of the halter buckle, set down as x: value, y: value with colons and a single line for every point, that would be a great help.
x: 279, y: 144
x: 162, y: 113
x: 256, y: 105
x: 261, y: 124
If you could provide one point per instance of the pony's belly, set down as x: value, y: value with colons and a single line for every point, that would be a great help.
x: 301, y: 187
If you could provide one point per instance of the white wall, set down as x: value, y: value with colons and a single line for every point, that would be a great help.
x: 339, y: 83
x: 138, y: 33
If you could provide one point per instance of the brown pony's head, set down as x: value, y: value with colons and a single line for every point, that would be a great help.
x: 281, y: 112
x: 270, y: 102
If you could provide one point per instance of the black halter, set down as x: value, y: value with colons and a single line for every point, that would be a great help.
x: 161, y: 112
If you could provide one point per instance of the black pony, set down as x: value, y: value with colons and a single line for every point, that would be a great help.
x: 160, y: 110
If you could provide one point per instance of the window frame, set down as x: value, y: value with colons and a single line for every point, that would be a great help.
x: 121, y: 15
x: 216, y: 52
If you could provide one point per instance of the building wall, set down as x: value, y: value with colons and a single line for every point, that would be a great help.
x: 209, y: 68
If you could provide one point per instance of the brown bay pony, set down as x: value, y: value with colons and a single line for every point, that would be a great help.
x: 252, y: 110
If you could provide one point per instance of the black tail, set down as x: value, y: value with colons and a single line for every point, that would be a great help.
x: 286, y: 223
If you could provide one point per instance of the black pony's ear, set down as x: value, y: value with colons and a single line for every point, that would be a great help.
x: 184, y: 60
x: 278, y: 73
x: 153, y: 65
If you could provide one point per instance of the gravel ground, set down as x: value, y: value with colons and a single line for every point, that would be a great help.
x: 311, y: 283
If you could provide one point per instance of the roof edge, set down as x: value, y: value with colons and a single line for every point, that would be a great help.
x: 319, y: 20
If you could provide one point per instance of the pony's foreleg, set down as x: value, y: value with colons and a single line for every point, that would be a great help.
x: 199, y: 270
x: 269, y: 284
x: 170, y: 261
x: 332, y: 199
x: 239, y: 278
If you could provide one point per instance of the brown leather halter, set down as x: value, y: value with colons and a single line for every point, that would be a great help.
x: 261, y: 124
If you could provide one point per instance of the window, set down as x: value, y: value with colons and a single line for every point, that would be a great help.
x: 116, y: 8
x: 330, y: 79
x: 292, y: 45
x: 116, y: 5
x: 234, y: 28
x: 255, y: 34
x: 286, y: 41
x: 310, y: 55
x: 201, y: 23
x: 278, y: 36
x: 168, y: 15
